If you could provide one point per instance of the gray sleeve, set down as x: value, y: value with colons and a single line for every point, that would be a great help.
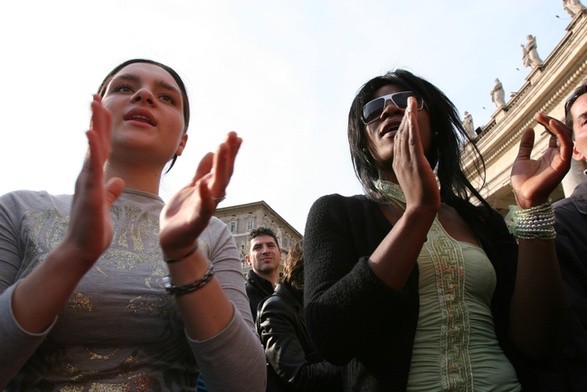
x: 222, y: 370
x: 10, y: 253
x: 16, y: 344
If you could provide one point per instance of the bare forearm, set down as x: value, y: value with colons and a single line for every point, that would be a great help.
x: 538, y: 300
x: 395, y: 257
x: 207, y: 310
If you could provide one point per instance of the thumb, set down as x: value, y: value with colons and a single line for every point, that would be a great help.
x: 204, y: 167
x: 114, y: 188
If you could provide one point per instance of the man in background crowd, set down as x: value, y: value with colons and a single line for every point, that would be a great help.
x: 571, y: 241
x: 264, y: 257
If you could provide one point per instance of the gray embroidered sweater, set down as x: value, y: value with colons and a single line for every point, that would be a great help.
x: 119, y: 330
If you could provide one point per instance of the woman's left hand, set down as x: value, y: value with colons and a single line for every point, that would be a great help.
x: 188, y: 212
x: 533, y: 180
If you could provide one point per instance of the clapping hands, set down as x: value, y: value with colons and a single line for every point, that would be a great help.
x: 533, y: 180
x: 187, y: 213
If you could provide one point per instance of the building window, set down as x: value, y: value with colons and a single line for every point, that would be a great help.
x: 280, y: 240
x: 249, y: 225
x: 232, y: 226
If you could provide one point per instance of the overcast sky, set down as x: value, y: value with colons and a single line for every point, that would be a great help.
x: 280, y: 73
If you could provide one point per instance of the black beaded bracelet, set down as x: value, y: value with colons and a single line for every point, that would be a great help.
x: 188, y: 288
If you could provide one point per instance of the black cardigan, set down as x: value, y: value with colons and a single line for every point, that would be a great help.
x: 355, y: 319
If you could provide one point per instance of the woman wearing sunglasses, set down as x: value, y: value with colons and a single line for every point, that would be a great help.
x: 417, y: 284
x: 109, y: 289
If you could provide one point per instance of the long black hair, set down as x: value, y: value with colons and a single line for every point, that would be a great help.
x: 448, y: 135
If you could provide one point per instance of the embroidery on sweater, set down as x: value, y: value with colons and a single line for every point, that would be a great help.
x: 133, y: 257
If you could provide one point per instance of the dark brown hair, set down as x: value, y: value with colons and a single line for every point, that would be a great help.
x: 582, y: 89
x: 259, y: 231
x: 174, y: 75
x: 293, y: 266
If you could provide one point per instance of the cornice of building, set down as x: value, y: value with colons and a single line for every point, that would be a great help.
x: 240, y: 208
x: 545, y: 88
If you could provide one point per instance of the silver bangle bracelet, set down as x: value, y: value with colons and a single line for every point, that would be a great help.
x: 536, y: 223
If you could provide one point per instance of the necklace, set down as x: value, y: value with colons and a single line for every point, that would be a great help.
x: 392, y: 193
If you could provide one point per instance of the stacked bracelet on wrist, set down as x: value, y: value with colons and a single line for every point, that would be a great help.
x: 536, y: 223
x: 188, y: 288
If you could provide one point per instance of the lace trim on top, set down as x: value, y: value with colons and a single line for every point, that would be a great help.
x: 391, y: 191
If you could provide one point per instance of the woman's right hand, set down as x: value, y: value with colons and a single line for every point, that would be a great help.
x: 90, y: 226
x: 394, y: 259
x: 410, y: 164
x: 39, y: 297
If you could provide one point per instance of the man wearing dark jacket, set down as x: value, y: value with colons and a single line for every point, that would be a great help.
x: 293, y: 364
x: 264, y: 257
x: 571, y: 242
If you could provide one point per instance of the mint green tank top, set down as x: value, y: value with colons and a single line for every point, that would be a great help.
x: 455, y: 347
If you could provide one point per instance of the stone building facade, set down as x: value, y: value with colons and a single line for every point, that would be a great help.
x: 243, y: 218
x: 546, y: 90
